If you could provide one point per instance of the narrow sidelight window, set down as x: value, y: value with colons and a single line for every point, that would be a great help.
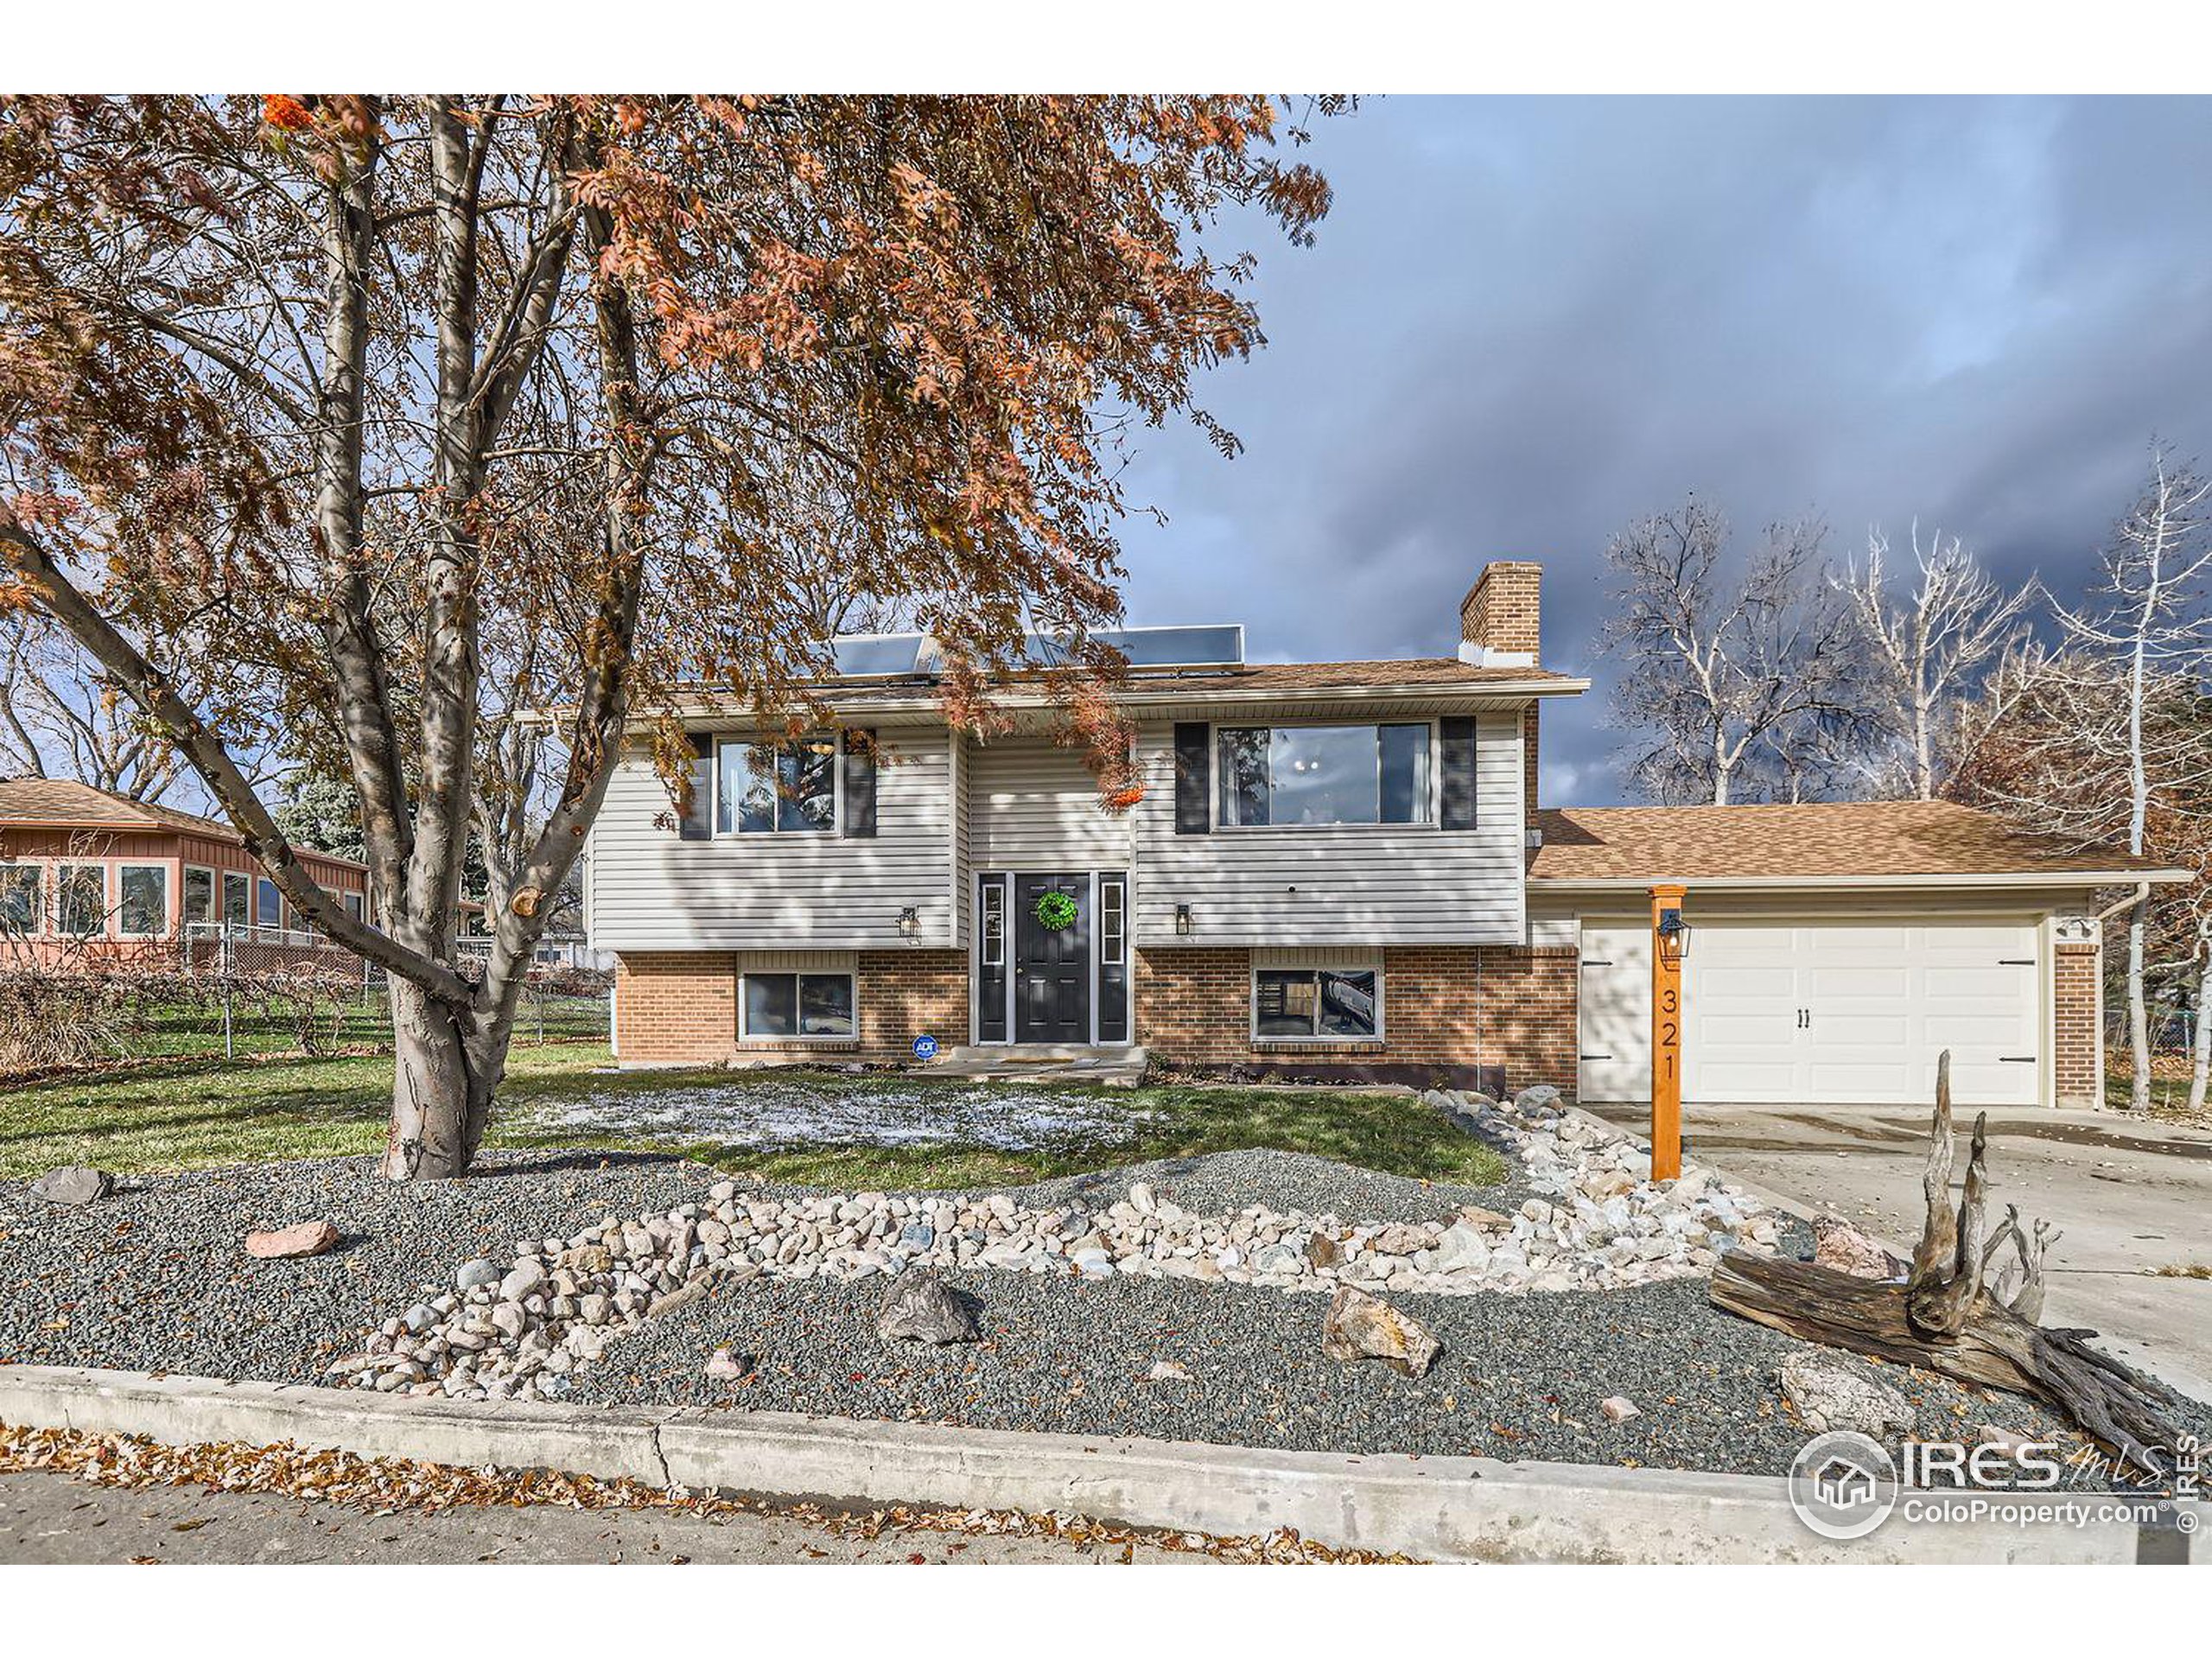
x: 1113, y: 919
x: 1321, y: 1004
x: 994, y: 924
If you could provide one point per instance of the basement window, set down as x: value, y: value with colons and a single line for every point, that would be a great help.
x: 803, y: 1006
x: 1327, y: 1004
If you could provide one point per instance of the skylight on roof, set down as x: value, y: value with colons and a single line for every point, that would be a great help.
x: 864, y: 655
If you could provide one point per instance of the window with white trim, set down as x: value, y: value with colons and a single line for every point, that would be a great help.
x: 268, y: 902
x: 994, y: 924
x: 142, y: 910
x: 783, y: 788
x: 1335, y: 1005
x: 80, y: 899
x: 1272, y: 775
x: 198, y: 894
x: 800, y: 1006
x: 237, y: 899
x: 1113, y: 920
x: 23, y: 900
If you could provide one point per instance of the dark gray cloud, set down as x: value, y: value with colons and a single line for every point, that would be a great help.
x: 1527, y: 322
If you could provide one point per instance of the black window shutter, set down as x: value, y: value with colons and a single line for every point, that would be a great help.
x: 860, y: 782
x: 1193, y: 812
x: 1457, y: 733
x: 698, y: 823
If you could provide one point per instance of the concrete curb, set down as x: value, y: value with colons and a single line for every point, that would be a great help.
x: 1439, y: 1509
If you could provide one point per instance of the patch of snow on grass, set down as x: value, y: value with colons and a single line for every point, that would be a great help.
x: 766, y: 1116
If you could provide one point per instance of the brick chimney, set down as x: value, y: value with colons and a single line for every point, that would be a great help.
x: 1498, y: 618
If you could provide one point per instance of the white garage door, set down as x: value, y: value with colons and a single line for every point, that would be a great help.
x: 1826, y: 1013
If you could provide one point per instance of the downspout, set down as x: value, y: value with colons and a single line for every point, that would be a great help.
x: 2142, y: 892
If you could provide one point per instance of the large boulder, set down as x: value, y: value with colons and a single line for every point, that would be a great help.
x: 922, y: 1307
x: 73, y: 1185
x: 301, y: 1238
x: 1838, y: 1244
x: 1539, y: 1098
x: 1831, y: 1394
x: 1361, y: 1326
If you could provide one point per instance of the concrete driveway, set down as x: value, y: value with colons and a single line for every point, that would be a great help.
x: 2131, y: 1197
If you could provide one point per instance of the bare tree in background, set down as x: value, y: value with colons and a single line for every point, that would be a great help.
x: 61, y: 716
x: 1931, y: 651
x: 1739, y: 682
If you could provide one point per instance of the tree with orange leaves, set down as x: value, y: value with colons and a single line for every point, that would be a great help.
x: 368, y: 426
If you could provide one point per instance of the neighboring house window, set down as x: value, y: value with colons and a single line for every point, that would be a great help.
x: 798, y: 1005
x: 143, y: 893
x: 1325, y: 774
x: 268, y: 904
x: 352, y: 904
x: 23, y: 898
x: 80, y: 892
x: 237, y: 899
x: 764, y: 788
x: 199, y: 895
x: 1316, y: 1004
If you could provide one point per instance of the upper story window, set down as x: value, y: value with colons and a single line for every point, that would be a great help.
x: 1325, y: 774
x: 766, y: 787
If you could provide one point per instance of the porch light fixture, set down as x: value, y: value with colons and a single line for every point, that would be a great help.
x: 1674, y: 935
x: 1183, y: 921
x: 910, y: 923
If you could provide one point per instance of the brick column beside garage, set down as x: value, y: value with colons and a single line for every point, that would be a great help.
x: 903, y: 993
x: 2076, y: 1008
x: 1449, y: 1005
x: 673, y: 1007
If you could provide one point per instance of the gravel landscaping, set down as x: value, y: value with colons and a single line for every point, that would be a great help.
x: 1174, y: 1300
x: 1520, y: 1378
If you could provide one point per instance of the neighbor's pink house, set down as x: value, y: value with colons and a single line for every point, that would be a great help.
x: 78, y: 864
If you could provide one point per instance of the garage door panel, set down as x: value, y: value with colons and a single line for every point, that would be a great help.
x: 1883, y: 1000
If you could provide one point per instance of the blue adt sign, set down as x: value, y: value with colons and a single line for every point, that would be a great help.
x: 925, y: 1047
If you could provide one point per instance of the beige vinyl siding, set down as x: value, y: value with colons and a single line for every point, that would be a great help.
x: 652, y: 890
x: 961, y: 760
x: 1033, y: 805
x: 1378, y: 884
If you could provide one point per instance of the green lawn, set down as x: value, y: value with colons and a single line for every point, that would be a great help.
x: 200, y: 1114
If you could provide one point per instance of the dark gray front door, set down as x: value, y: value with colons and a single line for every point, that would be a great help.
x: 1052, y: 990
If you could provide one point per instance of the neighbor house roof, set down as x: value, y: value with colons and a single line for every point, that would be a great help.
x: 1926, y: 842
x: 64, y: 803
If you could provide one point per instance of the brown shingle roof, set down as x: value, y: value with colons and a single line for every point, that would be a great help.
x: 1847, y: 839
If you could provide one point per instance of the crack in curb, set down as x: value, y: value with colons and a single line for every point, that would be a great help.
x: 653, y: 1433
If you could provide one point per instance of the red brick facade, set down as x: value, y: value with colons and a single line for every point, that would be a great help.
x: 2076, y: 986
x: 1445, y: 1005
x: 680, y: 1007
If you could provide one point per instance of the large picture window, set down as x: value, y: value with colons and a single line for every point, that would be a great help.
x: 786, y: 787
x: 23, y: 900
x: 1325, y: 774
x: 798, y: 1005
x: 1316, y: 1004
x: 142, y: 900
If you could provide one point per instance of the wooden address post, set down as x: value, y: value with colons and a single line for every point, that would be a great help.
x: 1667, y: 934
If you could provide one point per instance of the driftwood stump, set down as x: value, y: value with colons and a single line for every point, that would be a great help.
x: 1943, y: 1319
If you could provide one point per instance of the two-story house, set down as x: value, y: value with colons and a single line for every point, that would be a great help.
x: 1333, y: 868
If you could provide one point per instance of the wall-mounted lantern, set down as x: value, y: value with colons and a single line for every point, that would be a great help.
x: 910, y: 923
x: 1183, y: 921
x: 1674, y: 935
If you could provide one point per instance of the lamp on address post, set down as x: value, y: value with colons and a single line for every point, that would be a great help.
x: 1669, y: 944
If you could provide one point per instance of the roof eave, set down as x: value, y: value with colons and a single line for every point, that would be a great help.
x: 1758, y: 883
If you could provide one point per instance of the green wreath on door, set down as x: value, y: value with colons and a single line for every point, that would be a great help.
x: 1056, y: 911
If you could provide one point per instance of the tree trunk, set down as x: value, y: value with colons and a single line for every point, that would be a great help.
x: 2200, y: 1042
x: 2138, y: 1015
x: 445, y: 1067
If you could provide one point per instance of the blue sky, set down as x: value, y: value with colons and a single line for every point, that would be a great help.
x: 1526, y: 321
